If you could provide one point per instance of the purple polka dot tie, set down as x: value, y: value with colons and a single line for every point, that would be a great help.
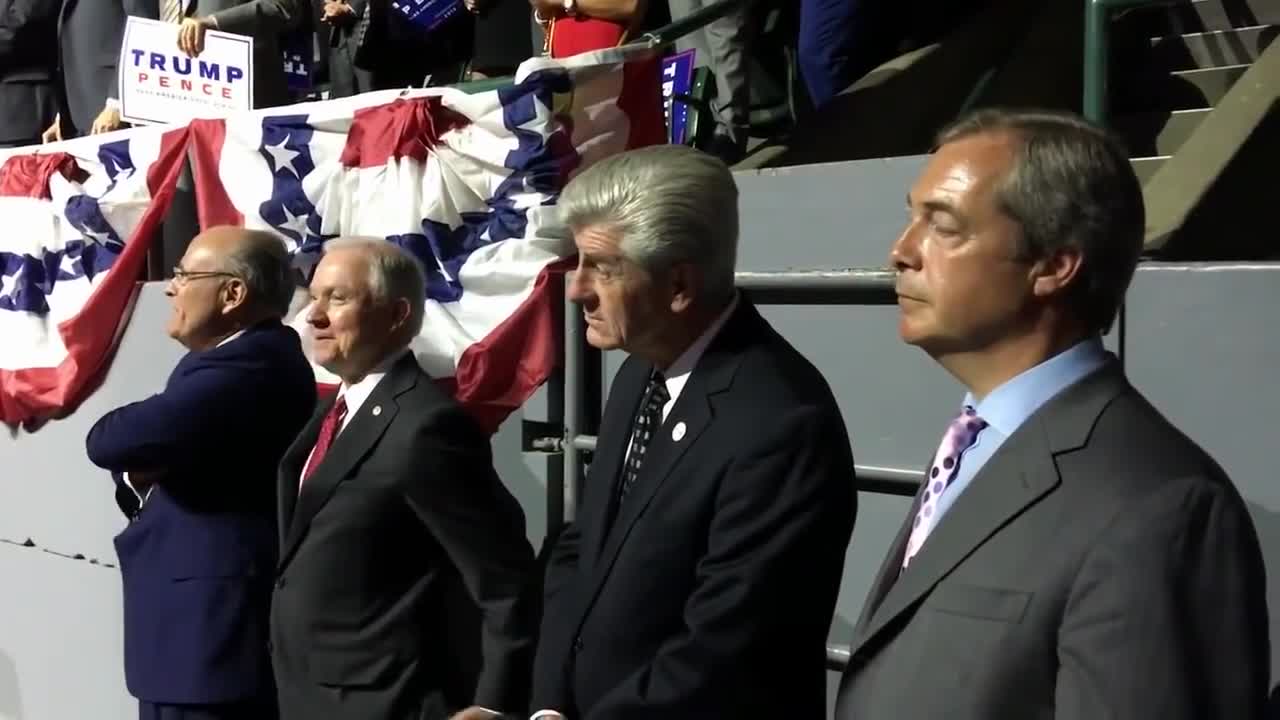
x: 961, y: 434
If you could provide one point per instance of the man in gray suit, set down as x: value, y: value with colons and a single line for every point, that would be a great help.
x: 1071, y: 555
x: 28, y: 57
x: 264, y: 20
x: 89, y: 37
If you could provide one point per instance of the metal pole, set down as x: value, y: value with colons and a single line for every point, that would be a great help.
x: 574, y: 380
x: 555, y: 418
x: 1096, y: 21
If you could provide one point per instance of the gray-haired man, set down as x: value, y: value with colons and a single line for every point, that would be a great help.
x: 700, y: 576
x: 397, y: 537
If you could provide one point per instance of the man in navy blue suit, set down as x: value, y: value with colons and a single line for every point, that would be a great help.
x: 195, y: 469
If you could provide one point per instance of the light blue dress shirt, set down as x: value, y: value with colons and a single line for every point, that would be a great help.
x: 1008, y: 406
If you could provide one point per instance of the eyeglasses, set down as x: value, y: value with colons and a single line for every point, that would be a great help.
x: 182, y: 277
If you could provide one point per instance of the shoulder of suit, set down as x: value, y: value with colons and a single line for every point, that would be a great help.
x: 1134, y: 448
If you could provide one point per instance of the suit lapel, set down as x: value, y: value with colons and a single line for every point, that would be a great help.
x: 291, y: 467
x: 606, y: 466
x: 351, y: 446
x: 713, y: 374
x: 1022, y: 471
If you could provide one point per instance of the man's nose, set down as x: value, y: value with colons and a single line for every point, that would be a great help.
x: 577, y: 289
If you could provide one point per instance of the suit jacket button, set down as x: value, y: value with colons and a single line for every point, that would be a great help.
x: 577, y: 644
x: 280, y: 582
x: 270, y: 647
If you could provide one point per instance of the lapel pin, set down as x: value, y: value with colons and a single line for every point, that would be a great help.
x: 377, y: 410
x: 677, y: 432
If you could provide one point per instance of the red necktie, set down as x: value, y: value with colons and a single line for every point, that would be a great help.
x: 328, y: 430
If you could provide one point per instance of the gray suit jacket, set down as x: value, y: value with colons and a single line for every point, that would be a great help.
x: 89, y: 36
x: 265, y: 20
x: 1100, y: 565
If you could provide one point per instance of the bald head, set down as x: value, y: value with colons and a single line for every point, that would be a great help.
x: 229, y: 278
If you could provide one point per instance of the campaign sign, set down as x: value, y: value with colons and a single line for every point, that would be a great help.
x: 299, y: 58
x: 428, y: 14
x: 160, y: 84
x: 677, y: 79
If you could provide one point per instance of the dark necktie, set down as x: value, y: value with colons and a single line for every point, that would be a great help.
x: 647, y: 423
x: 328, y: 430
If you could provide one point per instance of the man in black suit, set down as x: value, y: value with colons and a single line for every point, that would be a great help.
x: 28, y: 63
x: 1071, y: 555
x: 700, y: 575
x: 195, y: 469
x: 395, y: 529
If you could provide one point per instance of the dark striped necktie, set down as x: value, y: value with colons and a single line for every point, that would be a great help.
x: 647, y: 423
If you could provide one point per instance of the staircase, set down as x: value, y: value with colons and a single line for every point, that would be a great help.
x: 1177, y: 64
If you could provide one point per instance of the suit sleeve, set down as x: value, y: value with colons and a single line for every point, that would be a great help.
x: 481, y: 527
x: 550, y: 673
x: 19, y: 15
x: 766, y: 583
x: 1168, y: 617
x: 173, y: 426
x: 261, y: 17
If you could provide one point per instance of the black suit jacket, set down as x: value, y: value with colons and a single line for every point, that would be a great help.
x: 711, y: 594
x: 1100, y: 565
x: 403, y: 567
x: 28, y: 62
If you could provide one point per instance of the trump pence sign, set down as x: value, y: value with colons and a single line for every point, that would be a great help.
x: 161, y: 84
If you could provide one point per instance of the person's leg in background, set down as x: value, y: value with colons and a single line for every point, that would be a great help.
x: 824, y: 50
x: 723, y: 46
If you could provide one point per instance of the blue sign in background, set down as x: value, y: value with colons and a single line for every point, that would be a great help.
x: 428, y: 14
x: 677, y: 79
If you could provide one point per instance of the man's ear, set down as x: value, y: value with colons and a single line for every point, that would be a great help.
x: 234, y: 294
x: 683, y: 283
x: 1052, y: 274
x: 400, y: 313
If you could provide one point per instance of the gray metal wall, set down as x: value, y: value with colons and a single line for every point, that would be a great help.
x: 1200, y: 342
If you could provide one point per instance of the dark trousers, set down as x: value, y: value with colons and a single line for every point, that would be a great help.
x: 263, y: 710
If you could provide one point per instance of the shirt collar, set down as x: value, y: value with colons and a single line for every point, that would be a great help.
x: 230, y: 337
x: 357, y: 393
x: 1010, y: 404
x: 678, y: 374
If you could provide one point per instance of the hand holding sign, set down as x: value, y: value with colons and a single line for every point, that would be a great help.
x: 191, y: 34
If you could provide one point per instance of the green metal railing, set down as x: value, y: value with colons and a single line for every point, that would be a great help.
x: 1097, y: 47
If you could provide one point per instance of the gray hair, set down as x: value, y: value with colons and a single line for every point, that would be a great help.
x: 1071, y: 186
x: 262, y: 262
x: 669, y: 204
x: 394, y: 274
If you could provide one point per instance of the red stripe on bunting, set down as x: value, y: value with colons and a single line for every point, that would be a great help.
x: 39, y: 393
x: 403, y: 128
x: 498, y: 373
x: 641, y: 100
x: 28, y: 175
x: 213, y: 205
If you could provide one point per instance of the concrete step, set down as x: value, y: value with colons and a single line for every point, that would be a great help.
x: 1181, y: 90
x: 1206, y: 16
x: 1218, y: 48
x: 1158, y: 133
x: 1145, y: 167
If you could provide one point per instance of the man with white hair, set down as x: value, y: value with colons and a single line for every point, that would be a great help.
x: 700, y: 575
x: 395, y: 529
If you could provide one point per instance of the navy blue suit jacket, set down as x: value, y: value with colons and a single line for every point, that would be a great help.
x: 198, y: 557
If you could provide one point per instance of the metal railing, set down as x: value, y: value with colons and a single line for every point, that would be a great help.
x: 1097, y: 48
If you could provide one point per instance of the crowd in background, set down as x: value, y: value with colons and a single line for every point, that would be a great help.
x: 58, y: 57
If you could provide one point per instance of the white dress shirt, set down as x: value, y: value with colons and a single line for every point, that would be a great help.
x: 357, y: 393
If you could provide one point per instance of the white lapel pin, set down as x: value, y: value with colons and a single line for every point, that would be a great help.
x: 377, y: 410
x: 677, y: 432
